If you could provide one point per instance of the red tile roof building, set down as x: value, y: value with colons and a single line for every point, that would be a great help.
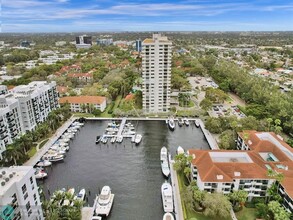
x: 246, y: 168
x: 84, y: 103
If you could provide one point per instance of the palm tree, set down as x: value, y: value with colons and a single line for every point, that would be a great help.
x: 12, y: 153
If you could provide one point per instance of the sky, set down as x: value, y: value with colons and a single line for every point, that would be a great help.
x: 138, y: 15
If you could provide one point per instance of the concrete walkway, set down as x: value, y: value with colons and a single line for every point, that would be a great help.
x: 211, y: 140
x: 176, y: 193
x: 33, y: 160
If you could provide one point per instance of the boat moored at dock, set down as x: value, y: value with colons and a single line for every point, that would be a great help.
x: 138, y: 138
x: 81, y: 195
x: 180, y: 122
x: 167, y: 197
x: 40, y: 173
x: 171, y: 123
x: 165, y: 168
x: 164, y: 154
x: 104, y: 202
x: 180, y: 150
x: 196, y: 122
x: 186, y: 121
x: 168, y: 216
x: 44, y: 163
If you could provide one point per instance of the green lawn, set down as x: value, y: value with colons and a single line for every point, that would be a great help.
x: 43, y: 143
x: 246, y: 214
x: 190, y: 214
x: 81, y: 114
x: 105, y: 114
x: 32, y: 151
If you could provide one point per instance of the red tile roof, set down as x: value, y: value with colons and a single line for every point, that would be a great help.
x: 83, y: 99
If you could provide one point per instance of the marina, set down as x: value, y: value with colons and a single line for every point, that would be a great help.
x: 132, y: 171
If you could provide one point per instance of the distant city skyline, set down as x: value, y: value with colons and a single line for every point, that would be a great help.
x: 162, y: 15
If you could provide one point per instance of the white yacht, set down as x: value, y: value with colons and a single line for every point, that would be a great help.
x: 104, y: 201
x: 186, y: 121
x: 119, y: 139
x: 81, y: 195
x: 53, y: 157
x: 164, y: 154
x: 180, y: 122
x: 113, y: 139
x: 165, y: 168
x: 44, y: 163
x: 40, y: 173
x: 180, y: 150
x: 104, y: 140
x: 171, y: 124
x: 168, y: 216
x: 196, y: 122
x: 138, y: 138
x: 167, y: 197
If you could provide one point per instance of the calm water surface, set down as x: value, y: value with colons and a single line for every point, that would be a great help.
x: 132, y: 172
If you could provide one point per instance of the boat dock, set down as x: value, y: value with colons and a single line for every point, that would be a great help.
x: 33, y: 160
x: 120, y: 131
x: 123, y: 122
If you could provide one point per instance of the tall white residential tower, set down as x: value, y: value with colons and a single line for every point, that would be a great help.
x: 156, y: 73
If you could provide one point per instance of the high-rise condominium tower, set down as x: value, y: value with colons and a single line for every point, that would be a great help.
x: 156, y: 73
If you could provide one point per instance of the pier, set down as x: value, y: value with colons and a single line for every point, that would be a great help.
x: 123, y: 122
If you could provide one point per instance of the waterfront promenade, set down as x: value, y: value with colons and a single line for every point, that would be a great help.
x: 33, y: 160
x: 176, y: 192
x: 210, y: 139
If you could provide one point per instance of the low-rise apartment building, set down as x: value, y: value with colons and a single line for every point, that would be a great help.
x: 19, y: 196
x: 84, y: 103
x: 246, y: 168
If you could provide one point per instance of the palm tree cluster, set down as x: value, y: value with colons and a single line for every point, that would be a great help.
x: 54, y: 209
x: 17, y: 152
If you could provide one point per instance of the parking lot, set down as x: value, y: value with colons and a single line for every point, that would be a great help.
x: 228, y: 108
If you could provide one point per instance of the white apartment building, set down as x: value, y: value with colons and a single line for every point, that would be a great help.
x: 11, y: 125
x: 246, y: 168
x: 37, y: 100
x: 19, y: 196
x: 156, y: 73
x: 225, y: 171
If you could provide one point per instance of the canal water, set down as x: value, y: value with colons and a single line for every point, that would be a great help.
x: 133, y: 172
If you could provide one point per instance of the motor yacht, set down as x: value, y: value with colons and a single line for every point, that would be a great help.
x: 138, y: 138
x: 165, y: 168
x: 167, y: 197
x: 113, y: 139
x: 180, y: 150
x: 164, y: 154
x: 180, y: 122
x: 196, y: 122
x: 186, y: 121
x: 119, y: 139
x: 44, y: 163
x: 40, y: 173
x: 168, y: 216
x: 104, y: 201
x: 81, y: 195
x: 171, y: 124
